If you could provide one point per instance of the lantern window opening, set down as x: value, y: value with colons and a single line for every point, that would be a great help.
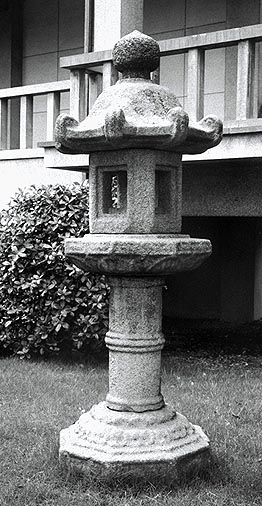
x: 162, y: 191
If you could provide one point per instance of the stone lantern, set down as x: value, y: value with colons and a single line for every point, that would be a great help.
x: 135, y: 135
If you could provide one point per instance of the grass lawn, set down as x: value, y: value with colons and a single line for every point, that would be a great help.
x: 37, y: 399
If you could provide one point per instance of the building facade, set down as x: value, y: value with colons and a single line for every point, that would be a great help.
x: 55, y: 56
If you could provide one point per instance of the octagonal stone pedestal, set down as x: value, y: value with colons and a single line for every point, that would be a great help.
x: 129, y: 438
x: 134, y: 426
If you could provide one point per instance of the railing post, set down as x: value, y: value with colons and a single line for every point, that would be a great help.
x: 155, y: 76
x: 110, y: 75
x: 26, y: 122
x: 245, y: 76
x: 53, y: 109
x: 78, y: 107
x: 97, y: 82
x: 195, y: 83
x: 93, y: 88
x: 3, y: 122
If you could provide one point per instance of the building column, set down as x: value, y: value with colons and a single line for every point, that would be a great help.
x: 118, y: 18
x: 89, y: 26
x: 131, y: 16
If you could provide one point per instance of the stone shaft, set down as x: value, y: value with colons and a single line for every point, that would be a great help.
x: 135, y: 342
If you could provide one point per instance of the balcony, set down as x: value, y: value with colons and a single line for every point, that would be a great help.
x: 90, y: 73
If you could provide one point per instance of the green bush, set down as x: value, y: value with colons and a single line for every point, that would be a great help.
x: 47, y: 305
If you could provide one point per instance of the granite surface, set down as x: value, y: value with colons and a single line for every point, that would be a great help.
x: 149, y: 192
x: 108, y: 436
x: 136, y: 133
x: 135, y: 341
x: 137, y: 255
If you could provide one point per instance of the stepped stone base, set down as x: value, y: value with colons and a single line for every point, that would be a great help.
x: 112, y: 437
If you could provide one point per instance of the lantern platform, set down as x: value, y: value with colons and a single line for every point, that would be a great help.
x: 137, y: 254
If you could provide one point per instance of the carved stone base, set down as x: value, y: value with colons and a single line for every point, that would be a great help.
x: 112, y: 437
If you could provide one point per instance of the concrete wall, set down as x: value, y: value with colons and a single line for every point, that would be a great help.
x: 5, y: 53
x: 223, y: 189
x: 19, y: 173
x: 52, y: 28
x: 11, y: 60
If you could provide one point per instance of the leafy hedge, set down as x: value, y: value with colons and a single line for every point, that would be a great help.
x: 47, y: 305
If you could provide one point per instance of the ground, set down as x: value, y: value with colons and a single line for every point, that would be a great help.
x: 211, y: 375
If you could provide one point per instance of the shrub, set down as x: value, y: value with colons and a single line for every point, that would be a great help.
x: 47, y: 305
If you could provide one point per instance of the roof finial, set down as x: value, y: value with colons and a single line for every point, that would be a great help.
x: 136, y: 55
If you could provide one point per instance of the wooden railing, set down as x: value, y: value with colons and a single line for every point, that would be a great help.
x: 196, y: 45
x: 99, y: 64
x: 25, y: 95
x: 90, y: 73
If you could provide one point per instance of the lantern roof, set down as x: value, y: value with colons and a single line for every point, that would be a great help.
x: 136, y: 112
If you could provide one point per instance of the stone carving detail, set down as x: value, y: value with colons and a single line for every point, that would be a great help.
x: 114, y: 436
x: 126, y: 342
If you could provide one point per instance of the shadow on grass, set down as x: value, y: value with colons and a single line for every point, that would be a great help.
x: 138, y: 478
x: 214, y: 474
x: 212, y: 337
